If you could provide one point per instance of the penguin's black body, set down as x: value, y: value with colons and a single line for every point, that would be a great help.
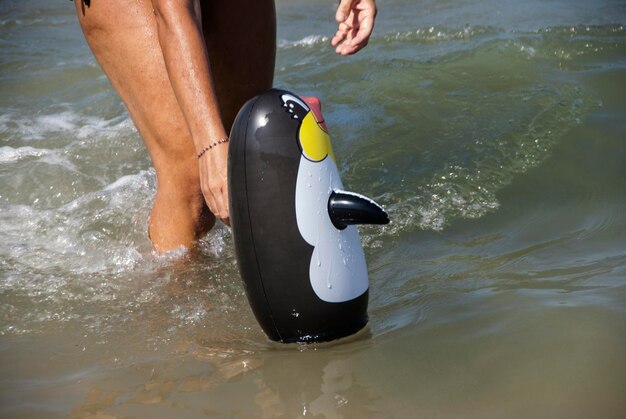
x: 275, y: 262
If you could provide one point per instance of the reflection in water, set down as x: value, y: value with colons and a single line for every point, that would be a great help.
x: 283, y: 382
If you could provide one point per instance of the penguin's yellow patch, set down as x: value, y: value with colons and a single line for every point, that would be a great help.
x: 315, y: 142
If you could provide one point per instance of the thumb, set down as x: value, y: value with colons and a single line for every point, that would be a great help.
x: 343, y: 10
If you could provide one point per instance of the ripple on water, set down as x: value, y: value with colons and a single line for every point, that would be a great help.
x: 89, y: 255
x: 457, y: 142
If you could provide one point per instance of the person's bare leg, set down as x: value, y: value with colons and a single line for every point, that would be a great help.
x: 123, y: 37
x: 239, y: 34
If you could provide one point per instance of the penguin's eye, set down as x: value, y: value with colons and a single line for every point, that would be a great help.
x: 295, y: 106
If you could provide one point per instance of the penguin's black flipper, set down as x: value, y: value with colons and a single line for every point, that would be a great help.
x: 348, y: 208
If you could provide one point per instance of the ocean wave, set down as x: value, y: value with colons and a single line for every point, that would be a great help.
x: 53, y: 157
x: 94, y: 251
x: 11, y: 23
x: 469, y: 190
x: 73, y: 236
x: 439, y: 34
x: 578, y: 30
x: 558, y: 42
x: 16, y: 126
x: 9, y: 154
x: 103, y: 231
x: 445, y: 33
x: 59, y: 263
x: 473, y: 120
x: 57, y: 260
x: 307, y: 41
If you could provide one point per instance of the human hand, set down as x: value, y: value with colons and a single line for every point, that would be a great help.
x: 214, y: 180
x: 356, y: 23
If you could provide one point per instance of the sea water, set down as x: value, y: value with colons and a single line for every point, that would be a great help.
x: 492, y: 131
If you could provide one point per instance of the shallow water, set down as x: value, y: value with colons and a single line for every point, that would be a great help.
x: 492, y: 131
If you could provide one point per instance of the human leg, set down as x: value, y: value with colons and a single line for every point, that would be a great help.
x: 231, y: 28
x: 122, y: 36
x: 240, y: 39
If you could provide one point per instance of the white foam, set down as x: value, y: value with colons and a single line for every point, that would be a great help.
x: 67, y: 123
x: 128, y: 181
x: 215, y: 243
x: 307, y: 41
x: 100, y: 231
x: 110, y: 128
x: 56, y: 158
x: 36, y: 128
x: 52, y: 157
x: 433, y: 34
x: 10, y: 154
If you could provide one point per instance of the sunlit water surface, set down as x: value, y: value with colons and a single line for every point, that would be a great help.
x: 492, y: 131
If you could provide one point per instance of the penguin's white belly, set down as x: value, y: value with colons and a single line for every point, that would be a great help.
x: 337, y: 269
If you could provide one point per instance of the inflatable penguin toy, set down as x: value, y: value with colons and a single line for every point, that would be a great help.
x: 297, y: 246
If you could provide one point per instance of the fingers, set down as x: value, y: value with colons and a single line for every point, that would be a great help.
x: 365, y: 30
x: 356, y: 23
x: 345, y: 42
x: 350, y: 40
x: 214, y: 182
x: 222, y: 205
x: 344, y: 32
x: 216, y: 198
x: 343, y: 11
x: 218, y: 201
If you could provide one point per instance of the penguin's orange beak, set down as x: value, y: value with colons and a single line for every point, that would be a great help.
x: 316, y: 107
